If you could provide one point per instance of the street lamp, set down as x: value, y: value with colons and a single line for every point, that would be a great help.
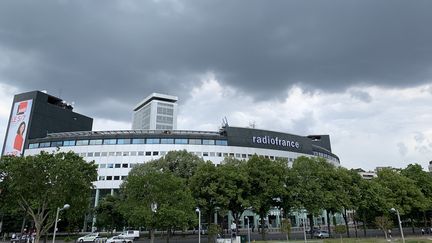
x: 400, y: 223
x: 199, y: 224
x: 66, y: 206
x: 248, y: 228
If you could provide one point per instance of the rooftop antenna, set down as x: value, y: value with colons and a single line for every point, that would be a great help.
x: 252, y: 124
x: 225, y: 122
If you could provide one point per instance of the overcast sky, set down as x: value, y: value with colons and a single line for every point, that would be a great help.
x: 360, y: 71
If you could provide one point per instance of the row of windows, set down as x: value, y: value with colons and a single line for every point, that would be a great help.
x: 129, y: 141
x: 162, y: 153
x: 326, y: 156
x: 111, y: 178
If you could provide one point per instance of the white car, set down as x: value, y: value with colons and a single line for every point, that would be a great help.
x: 88, y: 238
x: 119, y: 239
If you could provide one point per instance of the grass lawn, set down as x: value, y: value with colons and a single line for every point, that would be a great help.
x: 359, y: 240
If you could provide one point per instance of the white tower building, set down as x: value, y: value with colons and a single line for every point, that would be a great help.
x: 156, y: 112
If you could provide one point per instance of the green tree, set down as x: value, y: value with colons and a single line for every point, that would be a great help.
x: 108, y: 213
x: 305, y: 184
x: 423, y: 180
x: 266, y: 180
x: 40, y: 184
x: 157, y: 200
x: 234, y: 187
x: 181, y: 163
x: 405, y: 195
x: 384, y: 224
x: 204, y: 185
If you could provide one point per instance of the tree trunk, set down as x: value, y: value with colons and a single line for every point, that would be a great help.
x: 152, y: 235
x: 328, y: 222
x: 311, y: 223
x: 412, y: 225
x: 169, y: 234
x: 355, y: 227
x: 344, y: 214
x: 364, y: 224
x: 263, y: 228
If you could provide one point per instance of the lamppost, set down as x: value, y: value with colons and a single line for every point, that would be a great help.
x: 66, y: 206
x: 199, y: 224
x: 400, y: 223
x: 248, y: 229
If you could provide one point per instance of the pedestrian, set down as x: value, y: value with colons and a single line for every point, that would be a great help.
x: 389, y: 233
x: 422, y: 231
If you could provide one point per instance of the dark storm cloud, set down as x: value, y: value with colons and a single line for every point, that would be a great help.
x: 93, y: 51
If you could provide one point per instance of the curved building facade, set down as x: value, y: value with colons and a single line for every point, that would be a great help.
x: 116, y: 152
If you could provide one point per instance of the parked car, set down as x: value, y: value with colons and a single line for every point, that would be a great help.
x: 322, y: 234
x: 119, y: 239
x: 130, y: 234
x: 88, y: 238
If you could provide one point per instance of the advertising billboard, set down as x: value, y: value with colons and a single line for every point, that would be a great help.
x: 17, y: 130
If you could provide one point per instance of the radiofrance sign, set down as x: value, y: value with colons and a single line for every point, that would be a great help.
x: 17, y: 130
x: 275, y: 141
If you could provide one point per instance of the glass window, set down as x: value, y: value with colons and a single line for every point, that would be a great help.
x: 116, y: 178
x: 125, y: 153
x: 162, y: 153
x: 118, y: 153
x: 111, y: 154
x: 101, y: 178
x: 97, y: 154
x: 148, y: 153
x: 34, y: 145
x: 117, y: 165
x: 198, y: 153
x: 123, y: 178
x: 102, y: 166
x: 205, y: 154
x: 208, y: 142
x: 123, y: 141
x: 133, y: 153
x: 231, y: 154
x: 132, y: 165
x: 69, y: 143
x: 96, y: 142
x: 237, y: 155
x: 109, y: 178
x: 104, y: 154
x: 153, y: 140
x: 44, y: 145
x: 140, y: 153
x: 244, y: 156
x: 83, y: 154
x: 57, y: 144
x: 219, y: 154
x: 155, y: 153
x: 109, y: 141
x: 222, y: 142
x: 90, y: 154
x: 181, y: 141
x: 124, y: 165
x: 110, y: 166
x: 212, y: 154
x: 194, y: 141
x: 167, y: 141
x: 138, y: 141
x: 82, y: 142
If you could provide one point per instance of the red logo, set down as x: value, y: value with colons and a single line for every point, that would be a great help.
x: 22, y: 107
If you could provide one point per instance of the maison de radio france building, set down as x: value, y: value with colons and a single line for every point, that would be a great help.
x: 51, y: 124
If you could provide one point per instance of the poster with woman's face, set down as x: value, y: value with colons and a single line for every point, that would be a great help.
x: 17, y: 130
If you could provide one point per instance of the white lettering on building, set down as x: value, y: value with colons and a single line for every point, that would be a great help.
x: 275, y: 141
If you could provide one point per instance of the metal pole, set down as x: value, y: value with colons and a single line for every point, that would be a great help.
x: 55, y: 225
x: 199, y: 226
x: 248, y: 229
x: 304, y: 230
x: 400, y: 226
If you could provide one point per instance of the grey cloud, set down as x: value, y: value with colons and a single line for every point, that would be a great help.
x: 90, y: 50
x: 361, y: 95
x: 403, y: 149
